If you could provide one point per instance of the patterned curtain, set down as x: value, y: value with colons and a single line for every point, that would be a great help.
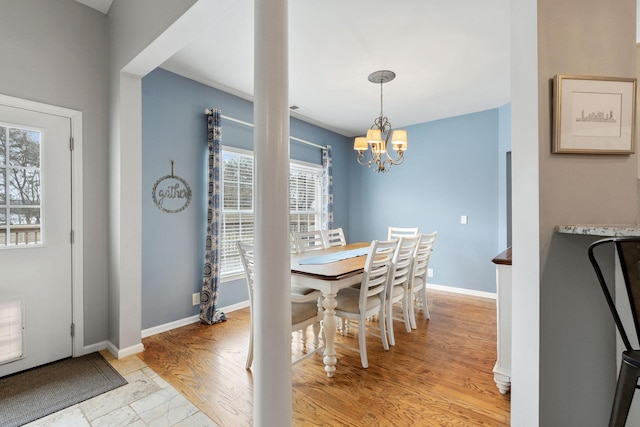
x: 211, y: 279
x: 327, y: 172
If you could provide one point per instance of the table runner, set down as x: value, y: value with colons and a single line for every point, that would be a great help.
x: 335, y: 256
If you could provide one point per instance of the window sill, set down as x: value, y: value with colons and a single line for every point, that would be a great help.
x: 231, y: 277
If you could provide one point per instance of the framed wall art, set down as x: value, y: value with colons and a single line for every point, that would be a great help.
x: 593, y: 115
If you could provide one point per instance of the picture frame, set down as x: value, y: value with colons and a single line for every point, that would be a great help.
x: 593, y: 115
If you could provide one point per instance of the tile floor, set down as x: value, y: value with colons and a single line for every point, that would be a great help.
x: 147, y: 400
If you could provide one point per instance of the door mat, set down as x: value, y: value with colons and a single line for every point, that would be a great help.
x: 38, y: 392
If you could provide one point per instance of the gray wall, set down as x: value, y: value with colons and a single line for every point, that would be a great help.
x: 55, y: 52
x: 135, y: 49
x: 575, y: 343
x: 579, y: 189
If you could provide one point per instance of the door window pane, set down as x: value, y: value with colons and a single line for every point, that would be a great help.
x: 20, y: 187
x: 24, y: 148
x: 24, y: 187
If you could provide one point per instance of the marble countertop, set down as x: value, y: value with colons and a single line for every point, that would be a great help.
x: 605, y: 230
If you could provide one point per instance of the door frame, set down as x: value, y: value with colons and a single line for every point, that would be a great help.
x: 77, y: 270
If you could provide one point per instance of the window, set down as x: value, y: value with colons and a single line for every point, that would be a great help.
x: 20, y: 187
x: 237, y: 217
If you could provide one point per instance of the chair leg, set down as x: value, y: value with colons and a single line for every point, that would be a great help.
x: 362, y: 342
x: 425, y: 307
x: 627, y: 380
x: 412, y: 312
x: 250, y: 353
x: 389, y: 320
x: 383, y: 327
x: 405, y: 312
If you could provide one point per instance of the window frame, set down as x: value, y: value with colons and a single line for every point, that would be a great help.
x: 302, y: 166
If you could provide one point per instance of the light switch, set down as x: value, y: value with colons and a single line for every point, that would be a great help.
x: 463, y: 219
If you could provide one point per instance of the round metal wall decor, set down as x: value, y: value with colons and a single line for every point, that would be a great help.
x: 171, y: 194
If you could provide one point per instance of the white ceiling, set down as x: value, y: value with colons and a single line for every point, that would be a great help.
x: 450, y: 57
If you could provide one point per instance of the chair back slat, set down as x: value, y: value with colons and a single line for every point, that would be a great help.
x: 629, y: 255
x: 246, y: 255
x: 376, y: 270
x: 628, y: 252
x: 396, y: 232
x: 309, y: 240
x: 423, y: 253
x: 334, y: 237
x: 402, y: 262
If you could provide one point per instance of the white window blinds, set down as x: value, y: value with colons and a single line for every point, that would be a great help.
x: 237, y: 217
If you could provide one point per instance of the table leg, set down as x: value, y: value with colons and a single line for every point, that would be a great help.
x: 329, y: 324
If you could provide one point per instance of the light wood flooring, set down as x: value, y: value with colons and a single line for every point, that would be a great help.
x: 438, y: 375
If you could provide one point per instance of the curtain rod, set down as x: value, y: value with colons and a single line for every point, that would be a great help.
x: 231, y: 119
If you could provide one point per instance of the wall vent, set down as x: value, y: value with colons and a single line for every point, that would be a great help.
x: 11, y: 329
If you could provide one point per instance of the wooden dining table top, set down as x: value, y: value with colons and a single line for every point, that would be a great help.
x: 336, y: 270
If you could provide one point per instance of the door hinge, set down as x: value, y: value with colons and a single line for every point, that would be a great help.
x: 73, y: 330
x: 72, y: 236
x: 71, y: 143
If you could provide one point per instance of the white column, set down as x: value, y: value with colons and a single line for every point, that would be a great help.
x: 272, y: 308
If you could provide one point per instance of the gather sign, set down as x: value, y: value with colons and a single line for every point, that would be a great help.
x: 171, y: 194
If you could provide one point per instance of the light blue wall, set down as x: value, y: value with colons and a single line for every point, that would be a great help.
x: 174, y: 128
x: 451, y: 169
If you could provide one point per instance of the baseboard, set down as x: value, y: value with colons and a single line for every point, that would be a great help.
x: 95, y: 347
x: 234, y: 307
x: 121, y: 353
x: 169, y: 326
x: 188, y: 320
x: 230, y: 308
x: 470, y: 292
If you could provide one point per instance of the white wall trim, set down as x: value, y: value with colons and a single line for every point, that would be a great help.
x: 170, y: 326
x: 188, y: 320
x: 470, y: 292
x: 94, y: 347
x: 121, y: 353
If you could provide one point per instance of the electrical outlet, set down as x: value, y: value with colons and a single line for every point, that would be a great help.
x: 195, y: 299
x: 429, y: 272
x: 464, y: 219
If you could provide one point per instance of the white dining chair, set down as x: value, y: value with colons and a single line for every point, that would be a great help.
x: 358, y: 304
x: 333, y: 237
x: 305, y: 308
x: 399, y: 282
x: 395, y: 232
x: 308, y: 240
x: 418, y: 283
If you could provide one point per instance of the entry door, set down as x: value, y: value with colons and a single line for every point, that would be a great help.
x: 35, y: 239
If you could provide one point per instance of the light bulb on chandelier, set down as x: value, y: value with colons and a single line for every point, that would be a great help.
x: 377, y: 138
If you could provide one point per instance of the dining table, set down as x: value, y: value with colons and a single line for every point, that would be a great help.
x: 329, y: 270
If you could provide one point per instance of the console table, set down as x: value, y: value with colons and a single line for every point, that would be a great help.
x: 502, y: 368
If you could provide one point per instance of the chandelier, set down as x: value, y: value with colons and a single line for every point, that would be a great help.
x: 377, y: 138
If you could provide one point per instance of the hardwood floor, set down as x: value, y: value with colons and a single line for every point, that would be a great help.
x: 438, y: 375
